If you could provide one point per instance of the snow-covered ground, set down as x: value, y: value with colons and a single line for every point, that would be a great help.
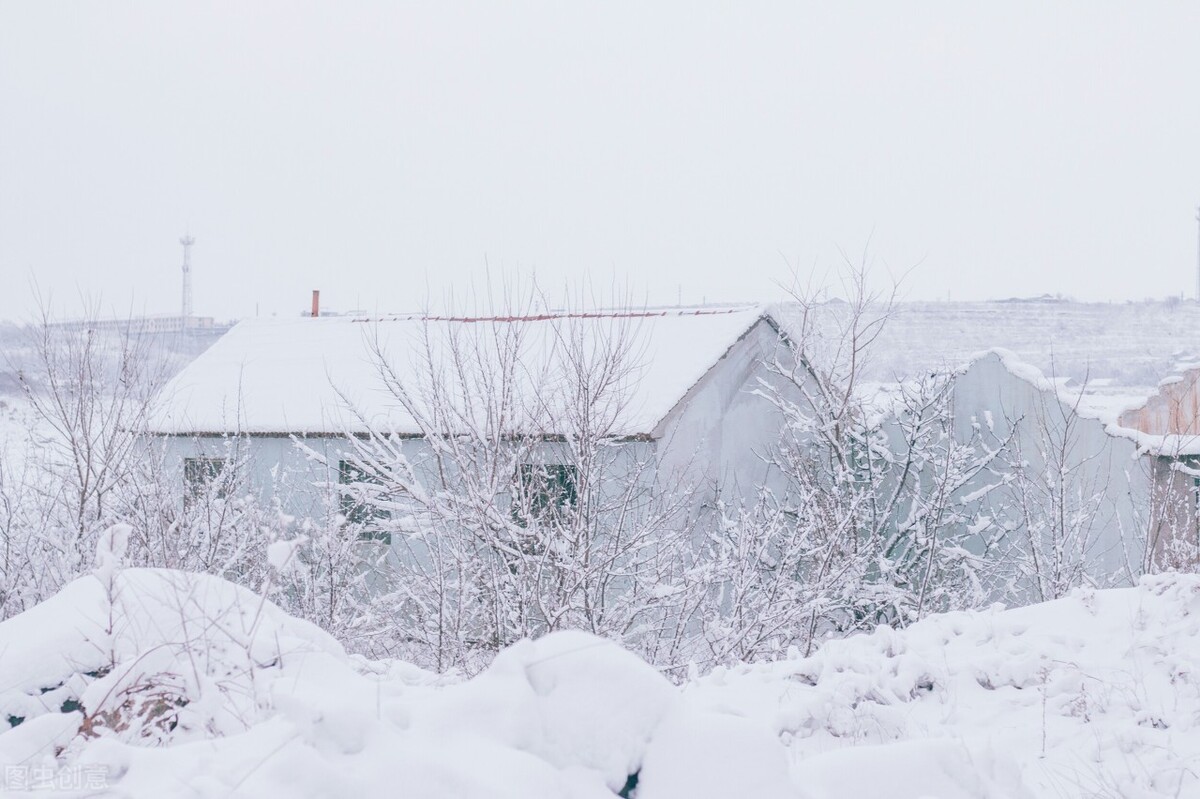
x: 1094, y: 695
x: 148, y: 683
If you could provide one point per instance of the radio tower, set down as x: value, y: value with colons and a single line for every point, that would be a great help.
x: 187, y: 241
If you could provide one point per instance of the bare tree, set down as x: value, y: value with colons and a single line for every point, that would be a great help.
x: 872, y: 515
x: 514, y: 500
x: 90, y: 387
x: 25, y: 578
x: 1058, y: 503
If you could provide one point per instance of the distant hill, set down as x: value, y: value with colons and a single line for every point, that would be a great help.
x: 1133, y: 344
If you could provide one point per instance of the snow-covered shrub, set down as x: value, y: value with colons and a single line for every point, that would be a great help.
x: 867, y: 518
x: 150, y: 656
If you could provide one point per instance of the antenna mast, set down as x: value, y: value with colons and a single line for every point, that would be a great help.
x: 187, y: 241
x: 1198, y: 254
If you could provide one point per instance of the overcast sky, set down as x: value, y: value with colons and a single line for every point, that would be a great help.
x: 378, y: 151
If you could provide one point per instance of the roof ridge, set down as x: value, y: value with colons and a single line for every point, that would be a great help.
x: 550, y: 315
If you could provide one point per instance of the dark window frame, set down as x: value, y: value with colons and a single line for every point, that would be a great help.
x: 199, y: 475
x: 353, y: 509
x: 544, y: 491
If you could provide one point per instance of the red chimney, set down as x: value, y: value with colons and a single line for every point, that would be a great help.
x: 316, y: 311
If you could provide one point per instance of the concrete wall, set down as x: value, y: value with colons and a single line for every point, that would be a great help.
x: 1174, y: 537
x: 274, y: 467
x: 1044, y: 429
x: 1174, y: 530
x: 1175, y: 409
x: 280, y: 468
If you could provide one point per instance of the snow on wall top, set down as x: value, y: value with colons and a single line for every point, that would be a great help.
x: 1094, y: 399
x: 1102, y: 403
x: 1107, y: 357
x: 314, y: 376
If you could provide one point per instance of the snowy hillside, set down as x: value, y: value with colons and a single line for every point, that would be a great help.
x: 158, y: 683
x: 1113, y: 354
x: 1132, y: 344
x: 1097, y: 694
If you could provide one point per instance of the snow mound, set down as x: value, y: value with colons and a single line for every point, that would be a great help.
x: 140, y: 683
x: 571, y: 699
x: 150, y: 653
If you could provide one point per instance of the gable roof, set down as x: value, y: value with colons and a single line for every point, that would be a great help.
x: 321, y: 376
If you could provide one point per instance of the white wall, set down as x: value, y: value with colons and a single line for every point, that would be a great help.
x: 719, y: 433
x: 1097, y: 460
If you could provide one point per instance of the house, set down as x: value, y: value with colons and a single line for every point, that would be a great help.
x: 292, y: 399
x: 1174, y: 407
x: 1167, y: 426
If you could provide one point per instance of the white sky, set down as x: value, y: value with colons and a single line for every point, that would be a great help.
x: 373, y: 150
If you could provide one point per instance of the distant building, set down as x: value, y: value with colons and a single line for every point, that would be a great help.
x: 1168, y: 422
x: 139, y: 325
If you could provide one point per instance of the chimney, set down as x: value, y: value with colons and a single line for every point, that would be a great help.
x: 316, y: 311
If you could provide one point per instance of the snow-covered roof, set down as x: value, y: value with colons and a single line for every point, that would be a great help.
x: 304, y: 375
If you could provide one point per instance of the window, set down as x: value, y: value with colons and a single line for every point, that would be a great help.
x: 356, y: 485
x: 1196, y: 506
x: 199, y: 474
x: 544, y: 491
x: 1190, y: 467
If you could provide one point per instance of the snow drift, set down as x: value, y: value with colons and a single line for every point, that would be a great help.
x: 136, y: 682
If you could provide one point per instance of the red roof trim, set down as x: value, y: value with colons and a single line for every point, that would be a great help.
x: 549, y: 316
